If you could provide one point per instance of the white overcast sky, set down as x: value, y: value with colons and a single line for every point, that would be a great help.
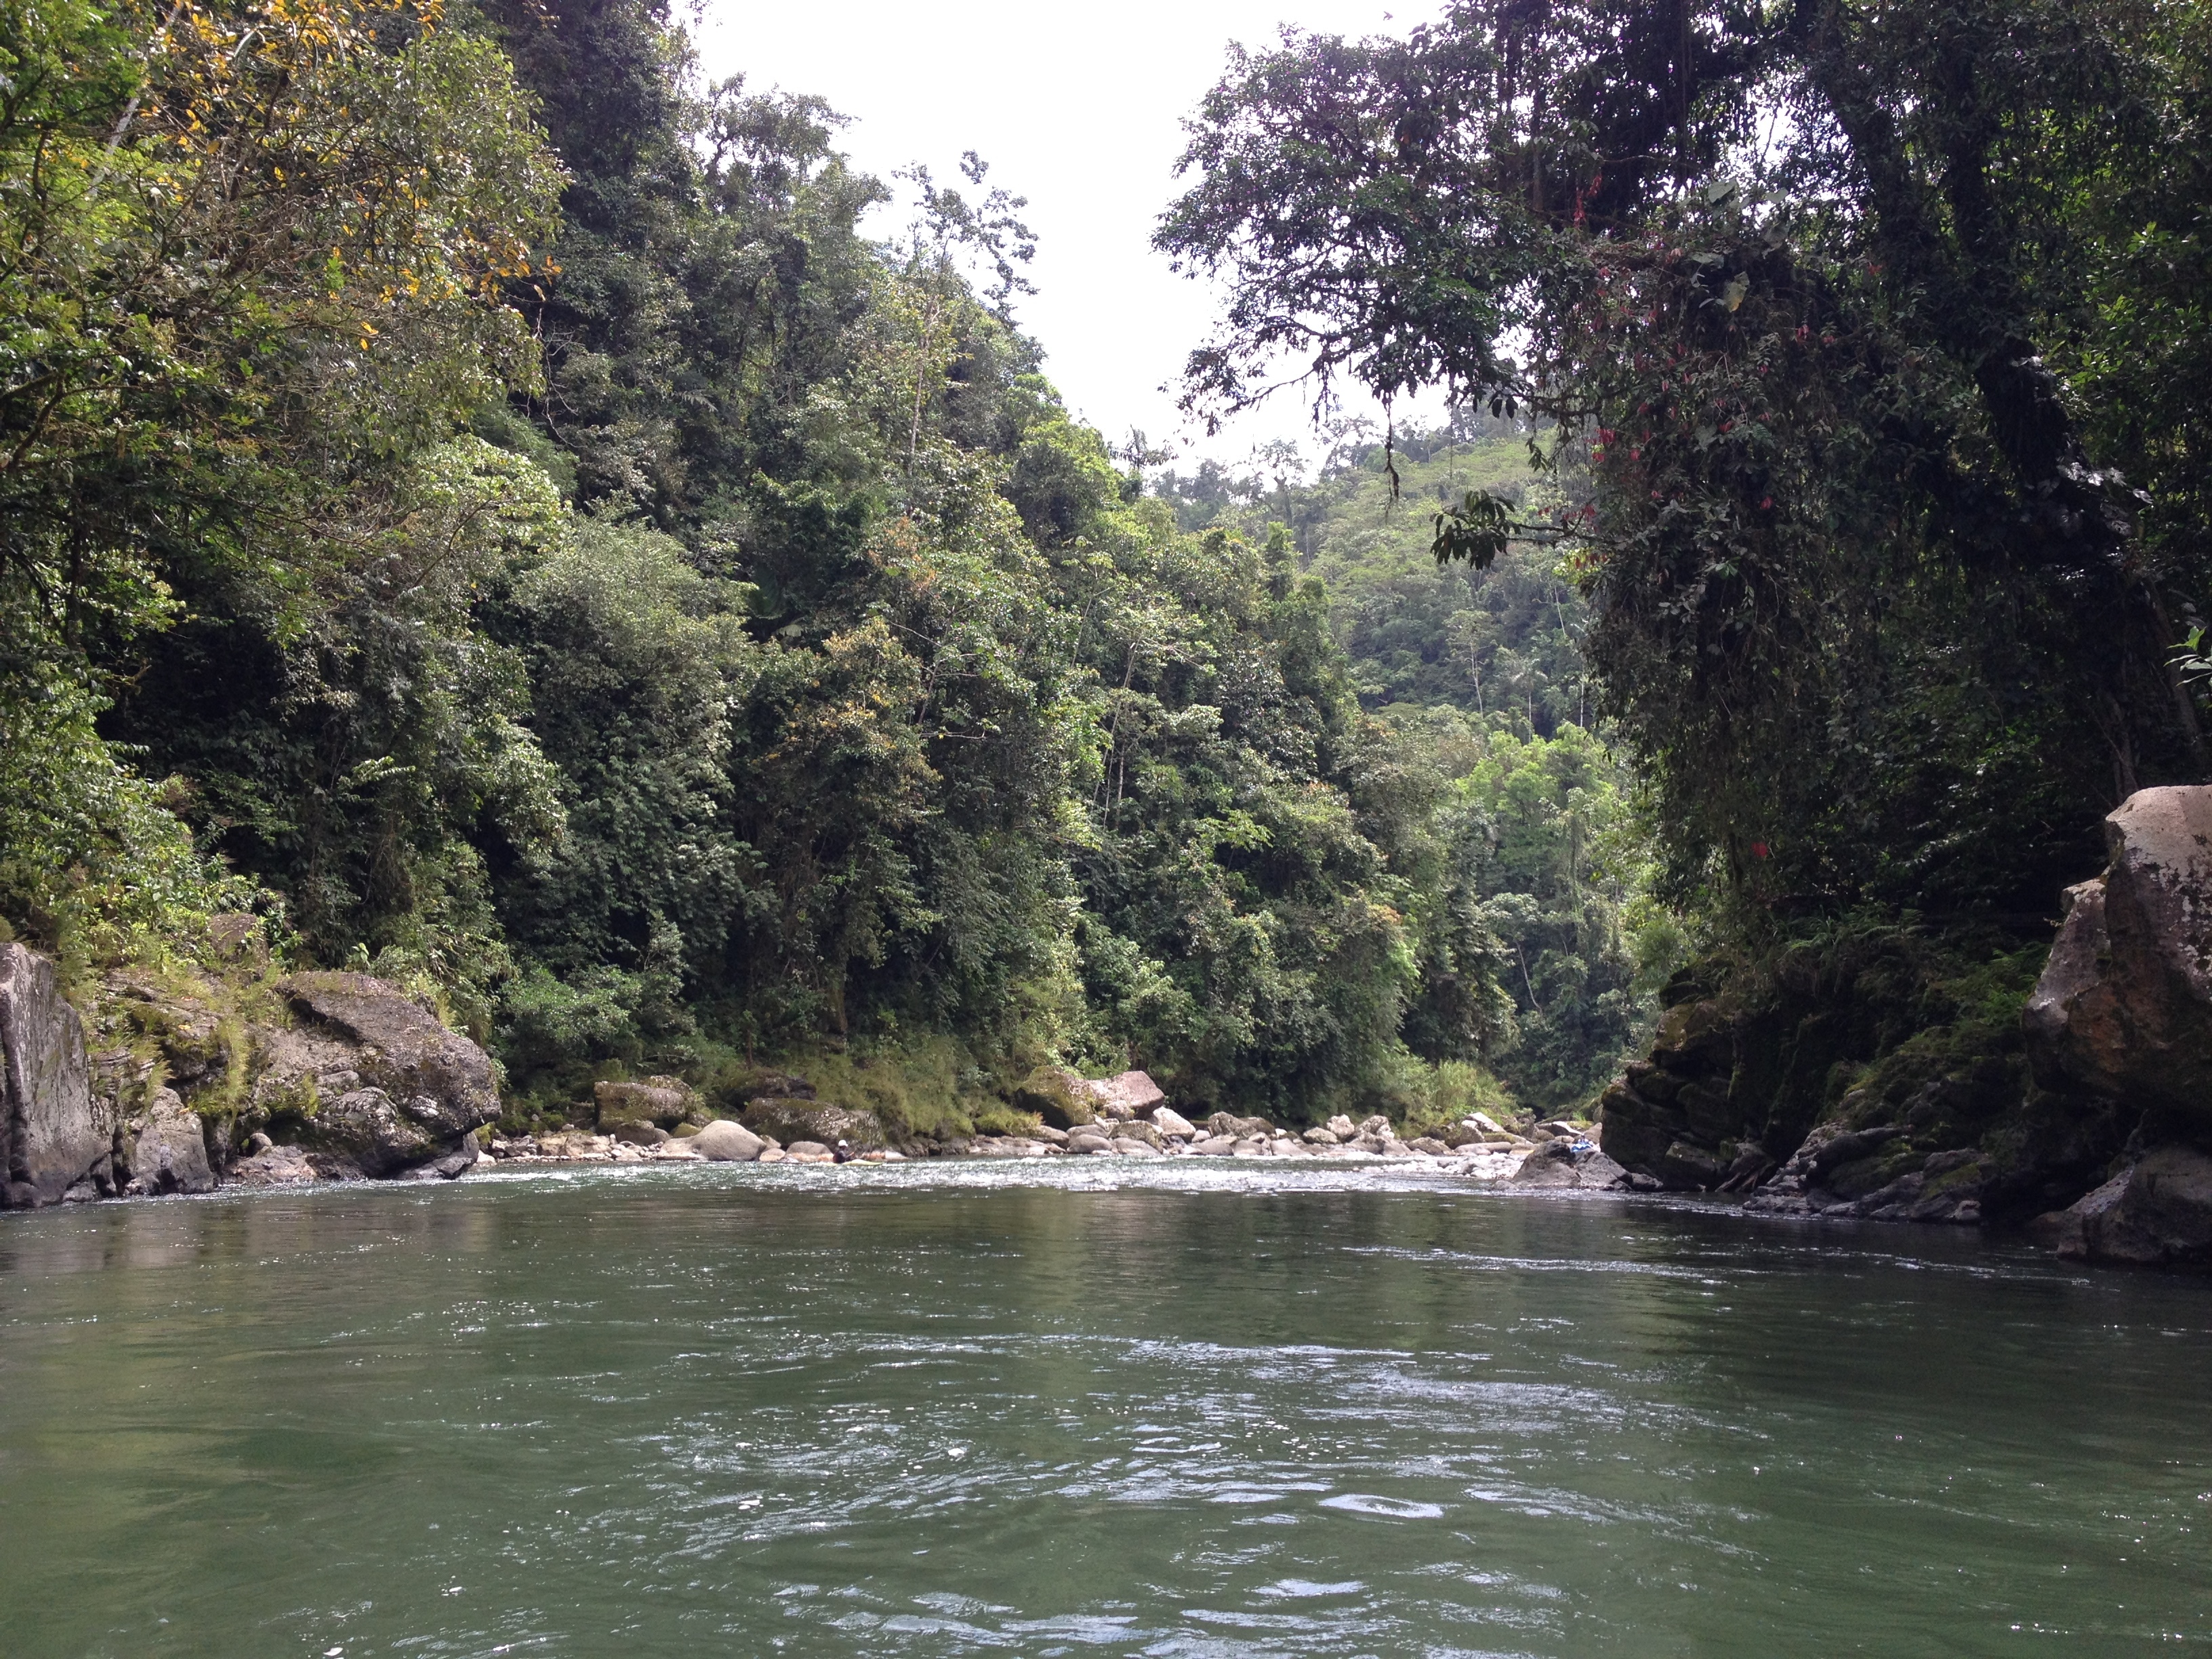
x: 1079, y: 110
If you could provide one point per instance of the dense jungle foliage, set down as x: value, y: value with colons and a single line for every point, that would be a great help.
x: 1879, y: 335
x: 477, y: 497
x: 1483, y: 672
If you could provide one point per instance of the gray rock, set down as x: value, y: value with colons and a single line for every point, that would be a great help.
x: 1128, y: 1095
x: 1213, y: 1145
x: 1173, y: 1124
x: 280, y: 1166
x: 1320, y: 1138
x: 54, y: 1134
x: 168, y: 1154
x: 404, y: 1048
x: 1342, y: 1127
x: 2125, y: 1005
x: 450, y: 1167
x: 790, y: 1120
x: 421, y: 1090
x: 1557, y: 1163
x: 1431, y: 1146
x: 660, y: 1101
x: 726, y: 1142
x: 2156, y: 1213
x: 642, y: 1134
x: 1088, y: 1140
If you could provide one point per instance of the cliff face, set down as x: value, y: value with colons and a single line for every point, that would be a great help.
x: 1895, y: 1075
x: 58, y: 1139
x: 190, y: 1079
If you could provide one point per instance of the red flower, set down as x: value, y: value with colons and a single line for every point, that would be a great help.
x: 1759, y: 849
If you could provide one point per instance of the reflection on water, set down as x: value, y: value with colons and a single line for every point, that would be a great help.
x: 1066, y: 1409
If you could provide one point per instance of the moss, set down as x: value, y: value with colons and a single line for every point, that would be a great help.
x: 1005, y: 1121
x: 1047, y: 1093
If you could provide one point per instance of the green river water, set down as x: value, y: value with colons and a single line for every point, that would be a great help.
x: 1081, y: 1407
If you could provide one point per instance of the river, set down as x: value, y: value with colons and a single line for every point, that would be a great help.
x: 1079, y: 1407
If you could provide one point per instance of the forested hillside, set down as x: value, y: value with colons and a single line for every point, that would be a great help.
x: 1878, y: 334
x: 476, y: 497
x: 1485, y: 670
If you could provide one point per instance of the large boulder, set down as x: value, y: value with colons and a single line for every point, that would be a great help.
x: 371, y: 1080
x: 1125, y: 1095
x: 166, y: 1148
x: 2157, y: 1212
x: 57, y: 1138
x: 725, y: 1142
x: 2124, y: 1005
x: 659, y: 1101
x: 790, y: 1120
x: 1058, y: 1096
x: 1563, y: 1162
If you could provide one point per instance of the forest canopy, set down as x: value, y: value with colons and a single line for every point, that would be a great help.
x: 1878, y: 330
x: 478, y: 497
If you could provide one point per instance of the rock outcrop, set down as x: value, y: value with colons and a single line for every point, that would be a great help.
x: 662, y: 1102
x: 166, y: 1149
x: 58, y: 1140
x: 1569, y: 1164
x: 2124, y: 1007
x: 370, y: 1079
x: 2156, y: 1213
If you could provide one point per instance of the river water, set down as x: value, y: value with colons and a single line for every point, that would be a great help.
x: 1081, y: 1407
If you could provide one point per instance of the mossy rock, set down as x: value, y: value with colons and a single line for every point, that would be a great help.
x: 1053, y: 1094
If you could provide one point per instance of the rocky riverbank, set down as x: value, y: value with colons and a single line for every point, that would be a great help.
x: 2085, y: 1116
x: 196, y: 1078
x: 1125, y: 1116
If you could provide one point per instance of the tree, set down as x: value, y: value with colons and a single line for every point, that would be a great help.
x: 1802, y: 280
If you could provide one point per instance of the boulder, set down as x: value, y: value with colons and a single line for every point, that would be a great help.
x: 167, y: 1149
x: 1342, y: 1127
x: 791, y: 1119
x: 54, y: 1134
x: 1557, y: 1163
x: 2124, y: 1005
x: 1321, y: 1137
x: 447, y: 1166
x: 369, y: 1081
x: 2156, y: 1213
x: 642, y: 1134
x: 1239, y: 1128
x: 280, y: 1166
x: 1172, y: 1124
x: 1058, y: 1096
x: 726, y: 1142
x: 1089, y: 1140
x: 809, y: 1152
x: 1125, y: 1095
x: 659, y: 1101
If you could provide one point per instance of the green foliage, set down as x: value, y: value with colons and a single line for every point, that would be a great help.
x: 684, y: 631
x: 1872, y: 608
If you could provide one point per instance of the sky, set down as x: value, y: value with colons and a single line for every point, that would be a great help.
x: 1080, y: 110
